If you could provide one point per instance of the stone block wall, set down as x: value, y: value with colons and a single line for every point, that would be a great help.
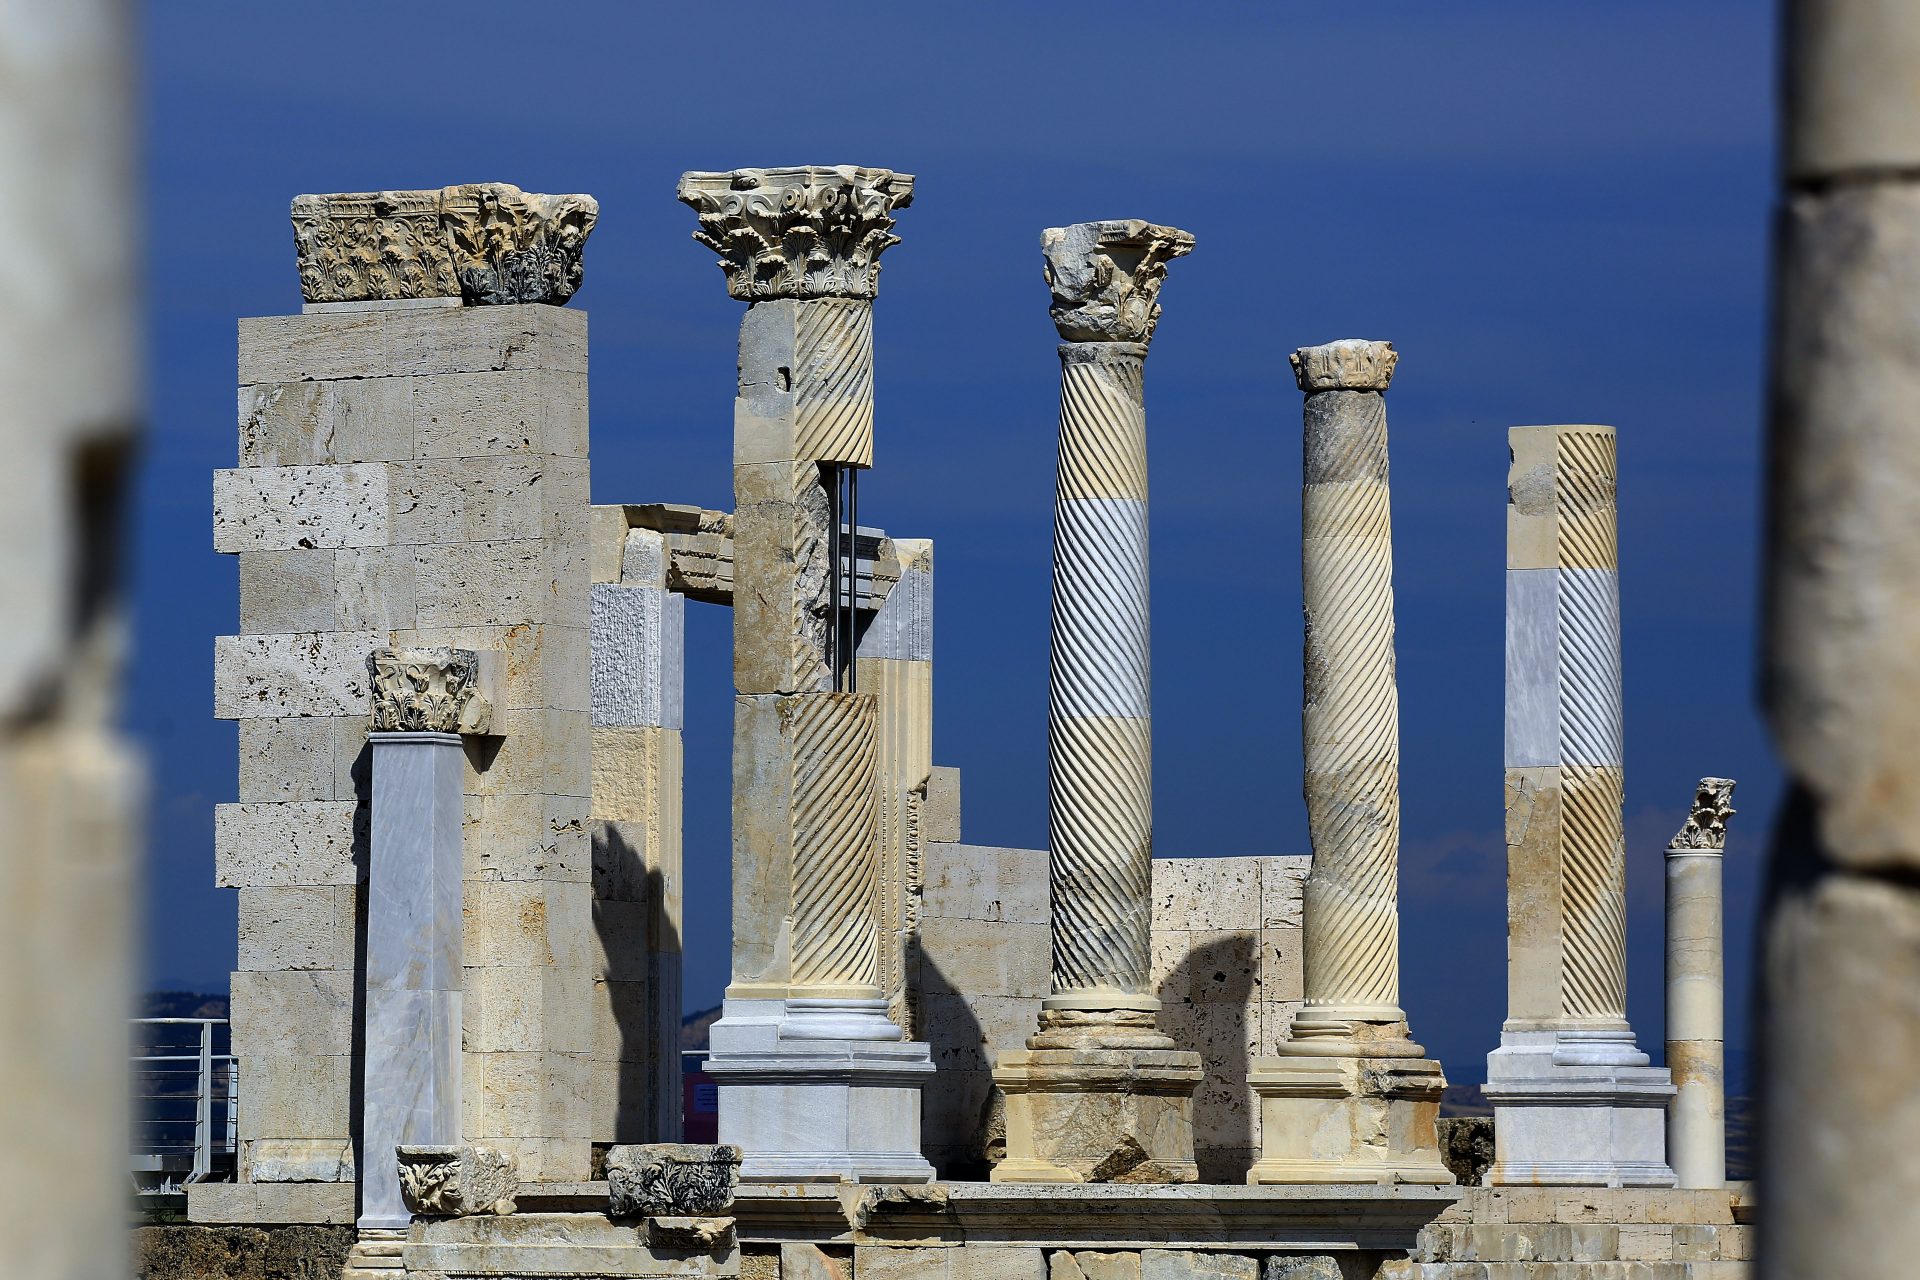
x: 407, y: 476
x: 1226, y: 966
x: 1557, y: 1233
x: 638, y: 679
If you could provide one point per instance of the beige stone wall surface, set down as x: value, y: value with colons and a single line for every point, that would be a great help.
x: 407, y: 477
x: 1226, y: 966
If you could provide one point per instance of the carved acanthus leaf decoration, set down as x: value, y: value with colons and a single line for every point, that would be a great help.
x: 809, y: 232
x: 487, y: 243
x: 1707, y: 824
x: 1351, y: 364
x: 428, y: 690
x: 671, y: 1179
x: 1106, y: 277
x: 456, y: 1182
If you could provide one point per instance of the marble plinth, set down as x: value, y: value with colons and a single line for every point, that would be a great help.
x: 1098, y: 1115
x: 810, y: 1108
x: 1347, y: 1118
x: 1577, y: 1109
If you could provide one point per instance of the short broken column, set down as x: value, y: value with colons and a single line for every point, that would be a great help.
x: 1574, y: 1101
x: 1349, y: 1097
x: 424, y: 699
x: 816, y: 1081
x: 1099, y: 1093
x: 1696, y: 990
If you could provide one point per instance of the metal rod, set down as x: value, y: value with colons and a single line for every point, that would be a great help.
x: 853, y: 572
x: 833, y: 575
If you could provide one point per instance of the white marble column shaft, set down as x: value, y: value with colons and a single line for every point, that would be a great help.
x: 1351, y: 710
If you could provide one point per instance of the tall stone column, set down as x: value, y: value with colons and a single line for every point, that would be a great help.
x: 816, y: 1080
x: 1349, y: 1072
x: 424, y: 699
x: 1575, y: 1103
x: 1696, y: 990
x: 1099, y: 1092
x: 1840, y: 976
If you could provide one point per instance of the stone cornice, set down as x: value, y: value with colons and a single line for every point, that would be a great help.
x: 1706, y: 826
x: 813, y: 231
x: 432, y: 689
x: 1106, y: 277
x: 487, y: 243
x: 1351, y: 364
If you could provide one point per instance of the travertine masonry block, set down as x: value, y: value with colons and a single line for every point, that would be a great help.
x: 298, y: 843
x: 942, y: 814
x: 407, y: 342
x: 527, y: 836
x: 527, y: 922
x: 297, y: 927
x: 464, y: 415
x: 286, y: 591
x: 295, y: 1095
x: 781, y: 578
x: 372, y: 589
x: 496, y: 584
x: 290, y: 759
x: 542, y: 665
x: 315, y: 423
x: 1191, y: 1264
x: 974, y: 958
x: 284, y: 508
x: 319, y: 674
x: 296, y: 1012
x: 522, y: 1009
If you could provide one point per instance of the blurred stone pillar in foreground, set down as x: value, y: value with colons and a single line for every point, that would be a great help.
x: 1099, y: 1093
x: 1696, y: 990
x: 1349, y: 1097
x: 70, y: 787
x: 1839, y: 1167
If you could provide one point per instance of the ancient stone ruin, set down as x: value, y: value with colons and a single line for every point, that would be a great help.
x: 460, y: 700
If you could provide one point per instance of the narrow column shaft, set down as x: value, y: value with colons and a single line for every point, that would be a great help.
x: 1350, y: 714
x: 411, y: 1093
x: 1696, y: 1119
x: 1100, y: 810
x: 1566, y: 849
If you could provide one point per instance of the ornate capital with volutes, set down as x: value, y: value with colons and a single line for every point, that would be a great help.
x: 816, y: 231
x: 433, y: 689
x: 1707, y: 823
x: 486, y: 243
x: 1351, y: 364
x: 1106, y: 277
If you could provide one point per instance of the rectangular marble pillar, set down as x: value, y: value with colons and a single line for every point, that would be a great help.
x: 1575, y: 1102
x: 638, y: 680
x: 411, y: 1091
x: 896, y: 664
x: 1696, y: 990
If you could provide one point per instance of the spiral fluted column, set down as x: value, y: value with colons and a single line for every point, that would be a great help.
x: 1099, y: 1092
x: 1351, y: 709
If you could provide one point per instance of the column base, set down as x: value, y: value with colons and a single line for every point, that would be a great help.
x: 815, y: 1108
x: 1098, y: 1114
x: 1574, y: 1108
x: 376, y: 1254
x: 1356, y: 1108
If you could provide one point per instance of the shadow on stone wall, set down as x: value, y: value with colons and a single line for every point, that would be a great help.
x: 635, y: 981
x: 1205, y: 999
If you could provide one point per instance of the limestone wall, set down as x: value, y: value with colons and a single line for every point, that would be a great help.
x: 407, y: 476
x: 1226, y: 967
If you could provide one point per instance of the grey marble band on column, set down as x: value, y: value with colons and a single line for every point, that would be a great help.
x: 411, y: 1093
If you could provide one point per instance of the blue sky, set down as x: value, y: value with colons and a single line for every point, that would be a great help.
x: 1556, y: 212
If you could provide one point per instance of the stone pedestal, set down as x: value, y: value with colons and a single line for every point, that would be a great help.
x: 1100, y: 1094
x: 1349, y: 1097
x: 1575, y: 1103
x: 816, y: 1080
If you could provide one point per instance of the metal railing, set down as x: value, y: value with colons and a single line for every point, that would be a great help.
x: 185, y: 1119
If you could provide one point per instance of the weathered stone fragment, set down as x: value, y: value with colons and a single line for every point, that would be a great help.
x: 669, y: 1179
x: 457, y: 1181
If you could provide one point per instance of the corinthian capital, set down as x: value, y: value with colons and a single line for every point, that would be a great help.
x: 486, y: 243
x: 1351, y: 364
x: 1707, y: 824
x: 1106, y: 276
x: 431, y: 689
x: 810, y: 232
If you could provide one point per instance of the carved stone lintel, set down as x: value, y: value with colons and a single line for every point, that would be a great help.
x: 431, y: 689
x: 1351, y: 364
x: 1106, y: 277
x: 808, y: 232
x: 1706, y: 826
x: 671, y: 1180
x: 487, y: 243
x: 689, y: 1234
x: 456, y: 1181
